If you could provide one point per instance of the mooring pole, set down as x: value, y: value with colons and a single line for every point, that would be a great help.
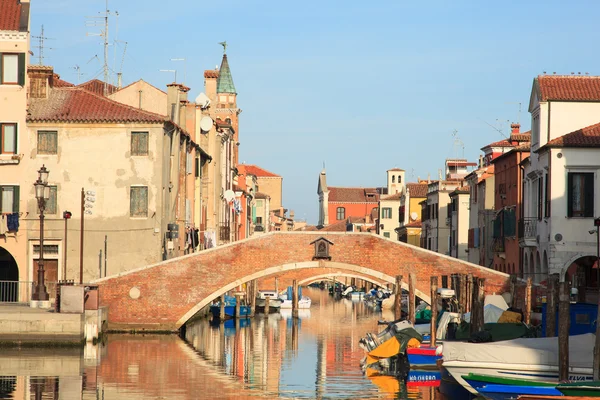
x: 551, y: 298
x: 398, y: 298
x: 295, y: 299
x: 412, y: 311
x: 222, y: 309
x: 564, y: 322
x: 434, y: 310
x: 528, y: 302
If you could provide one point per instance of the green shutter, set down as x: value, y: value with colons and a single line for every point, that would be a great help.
x: 1, y: 74
x: 570, y: 195
x: 22, y: 67
x: 16, y: 198
x: 589, y: 195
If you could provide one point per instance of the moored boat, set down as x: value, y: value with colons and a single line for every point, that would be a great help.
x: 503, y: 392
x: 423, y: 357
x: 274, y: 300
x: 586, y: 389
x: 478, y: 381
x: 230, y: 303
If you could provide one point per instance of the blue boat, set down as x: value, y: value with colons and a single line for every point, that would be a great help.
x: 504, y: 392
x: 423, y: 357
x: 230, y: 303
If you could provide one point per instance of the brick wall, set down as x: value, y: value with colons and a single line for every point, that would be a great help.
x: 163, y: 296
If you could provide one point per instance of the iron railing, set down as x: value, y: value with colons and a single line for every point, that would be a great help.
x: 20, y: 292
x: 225, y: 232
x: 527, y: 228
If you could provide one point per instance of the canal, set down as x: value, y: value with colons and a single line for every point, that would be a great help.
x: 317, y: 356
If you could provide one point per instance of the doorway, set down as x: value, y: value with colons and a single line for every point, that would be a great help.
x: 9, y: 273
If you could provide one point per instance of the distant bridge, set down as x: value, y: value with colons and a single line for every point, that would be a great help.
x: 164, y: 296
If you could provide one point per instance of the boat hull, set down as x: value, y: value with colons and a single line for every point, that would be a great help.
x: 423, y: 357
x: 478, y: 381
x: 303, y: 303
x: 274, y: 304
x: 229, y: 311
x: 503, y: 392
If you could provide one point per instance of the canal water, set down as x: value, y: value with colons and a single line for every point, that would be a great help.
x: 274, y: 356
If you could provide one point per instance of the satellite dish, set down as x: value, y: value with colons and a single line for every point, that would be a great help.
x: 413, y: 216
x: 206, y: 123
x: 229, y: 195
x: 202, y: 100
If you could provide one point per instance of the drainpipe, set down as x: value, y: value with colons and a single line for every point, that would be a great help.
x: 520, y: 177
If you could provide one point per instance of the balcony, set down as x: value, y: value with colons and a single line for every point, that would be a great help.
x: 224, y: 232
x: 528, y: 232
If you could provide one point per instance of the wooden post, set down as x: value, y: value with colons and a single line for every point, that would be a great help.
x: 412, y: 310
x: 398, y: 298
x: 474, y: 324
x: 527, y: 313
x: 453, y: 283
x: 252, y: 298
x: 444, y: 281
x: 333, y: 292
x: 238, y: 306
x: 513, y: 291
x: 462, y: 282
x: 551, y: 299
x: 564, y: 322
x: 434, y: 310
x: 267, y: 306
x: 295, y: 299
x: 222, y: 309
x: 469, y: 291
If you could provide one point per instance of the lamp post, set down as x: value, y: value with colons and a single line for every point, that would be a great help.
x: 42, y: 194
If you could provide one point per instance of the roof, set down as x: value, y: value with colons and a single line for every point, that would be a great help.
x: 74, y: 104
x: 460, y: 190
x: 395, y: 196
x: 141, y: 81
x: 10, y: 15
x: 395, y: 169
x: 460, y: 162
x: 520, y: 148
x: 501, y: 143
x: 352, y: 195
x: 258, y: 171
x: 211, y: 73
x: 414, y: 224
x: 568, y: 87
x: 585, y: 137
x: 417, y: 189
x: 58, y: 83
x: 521, y: 137
x: 97, y: 86
x: 225, y: 80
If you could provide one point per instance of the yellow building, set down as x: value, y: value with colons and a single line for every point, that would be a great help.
x: 409, y: 230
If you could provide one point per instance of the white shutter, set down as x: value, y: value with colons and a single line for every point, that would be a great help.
x: 188, y: 211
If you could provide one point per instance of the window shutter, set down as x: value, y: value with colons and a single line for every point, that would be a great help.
x: 21, y: 69
x: 1, y: 75
x: 570, y: 195
x: 589, y: 195
x: 16, y: 196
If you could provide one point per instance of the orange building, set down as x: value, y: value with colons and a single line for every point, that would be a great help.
x: 339, y: 203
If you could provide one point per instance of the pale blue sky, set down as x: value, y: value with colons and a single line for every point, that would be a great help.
x: 361, y: 86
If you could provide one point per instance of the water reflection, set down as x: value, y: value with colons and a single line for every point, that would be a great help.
x: 274, y: 356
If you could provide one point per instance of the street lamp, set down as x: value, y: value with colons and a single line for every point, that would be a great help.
x: 42, y: 194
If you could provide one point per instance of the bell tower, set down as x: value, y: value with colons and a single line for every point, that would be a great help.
x: 226, y: 100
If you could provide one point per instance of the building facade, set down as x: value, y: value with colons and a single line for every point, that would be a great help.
x: 409, y: 218
x: 459, y: 223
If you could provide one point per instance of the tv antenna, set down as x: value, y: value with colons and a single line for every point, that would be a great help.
x: 78, y: 72
x: 170, y: 70
x: 496, y: 128
x: 457, y: 145
x: 184, y: 67
x: 519, y: 113
x: 41, y: 47
x: 101, y: 21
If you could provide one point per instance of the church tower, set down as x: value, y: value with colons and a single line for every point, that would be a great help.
x: 226, y: 101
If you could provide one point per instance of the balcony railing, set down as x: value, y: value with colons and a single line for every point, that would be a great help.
x: 527, y: 228
x: 224, y: 232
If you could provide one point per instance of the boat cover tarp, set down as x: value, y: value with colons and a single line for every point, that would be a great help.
x: 491, y: 313
x: 497, y: 300
x: 495, y: 332
x: 529, y: 351
x: 389, y: 348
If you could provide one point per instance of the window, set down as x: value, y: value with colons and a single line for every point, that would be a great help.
x: 386, y: 212
x: 47, y: 142
x: 581, y: 194
x: 9, y: 138
x: 540, y: 197
x: 139, y: 143
x: 259, y: 203
x: 386, y: 234
x: 259, y: 220
x: 9, y: 199
x: 340, y: 213
x: 51, y: 203
x: 138, y: 202
x: 547, y: 198
x: 399, y: 178
x: 393, y: 179
x: 13, y: 69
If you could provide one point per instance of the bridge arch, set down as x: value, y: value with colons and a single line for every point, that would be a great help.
x: 291, y: 267
x: 330, y: 277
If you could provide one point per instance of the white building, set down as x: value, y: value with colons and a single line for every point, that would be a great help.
x: 561, y: 188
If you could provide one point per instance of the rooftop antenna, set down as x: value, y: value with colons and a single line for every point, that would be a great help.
x: 170, y: 70
x: 458, y: 144
x: 499, y: 130
x: 184, y: 67
x: 78, y: 72
x: 41, y: 47
x: 519, y: 113
x: 97, y: 22
x: 412, y: 174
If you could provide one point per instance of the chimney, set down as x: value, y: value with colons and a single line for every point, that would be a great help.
x: 210, y: 83
x: 515, y: 128
x: 40, y: 81
x: 292, y: 214
x: 173, y: 101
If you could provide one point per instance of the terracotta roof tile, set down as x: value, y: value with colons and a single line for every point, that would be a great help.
x: 352, y: 195
x: 211, y: 73
x: 58, y: 83
x: 521, y: 137
x: 414, y: 224
x: 258, y: 171
x: 396, y: 169
x: 585, y: 137
x: 261, y: 195
x: 395, y: 196
x: 417, y: 189
x: 139, y: 81
x: 501, y: 143
x: 74, y: 104
x: 97, y: 86
x: 569, y: 87
x: 10, y: 15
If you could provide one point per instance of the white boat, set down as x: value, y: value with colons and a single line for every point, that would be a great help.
x: 355, y: 295
x: 303, y: 303
x: 274, y: 300
x: 532, y: 358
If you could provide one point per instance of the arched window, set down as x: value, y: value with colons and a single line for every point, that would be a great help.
x: 393, y: 179
x: 341, y: 213
x: 399, y: 178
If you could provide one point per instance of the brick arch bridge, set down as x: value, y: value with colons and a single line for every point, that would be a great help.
x: 164, y: 296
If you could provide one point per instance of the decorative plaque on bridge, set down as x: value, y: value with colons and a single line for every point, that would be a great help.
x: 322, y: 249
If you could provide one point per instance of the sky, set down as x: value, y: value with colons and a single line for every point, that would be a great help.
x: 360, y: 87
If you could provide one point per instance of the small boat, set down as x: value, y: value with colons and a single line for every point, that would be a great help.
x: 230, y: 304
x: 303, y: 303
x: 354, y: 295
x: 531, y: 358
x: 423, y: 357
x: 585, y: 389
x: 503, y: 392
x: 274, y: 300
x: 478, y: 381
